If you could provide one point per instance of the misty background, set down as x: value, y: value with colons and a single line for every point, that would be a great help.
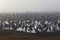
x: 29, y: 12
x: 29, y: 5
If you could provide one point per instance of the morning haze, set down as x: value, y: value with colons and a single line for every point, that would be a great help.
x: 29, y: 5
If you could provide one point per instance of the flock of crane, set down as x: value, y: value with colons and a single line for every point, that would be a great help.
x: 30, y: 26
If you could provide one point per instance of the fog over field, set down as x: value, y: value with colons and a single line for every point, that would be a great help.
x: 29, y: 5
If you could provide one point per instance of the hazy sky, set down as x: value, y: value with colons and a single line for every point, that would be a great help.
x: 29, y: 5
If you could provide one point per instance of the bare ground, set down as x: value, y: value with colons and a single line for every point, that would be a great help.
x: 14, y: 35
